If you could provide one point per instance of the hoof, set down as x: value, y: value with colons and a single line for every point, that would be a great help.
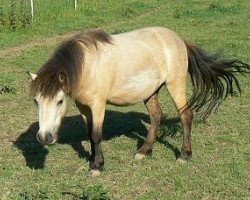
x: 181, y: 160
x: 95, y: 173
x: 139, y: 156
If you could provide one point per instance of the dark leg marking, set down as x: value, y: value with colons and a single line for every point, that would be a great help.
x: 94, y: 119
x: 155, y: 115
x: 186, y: 121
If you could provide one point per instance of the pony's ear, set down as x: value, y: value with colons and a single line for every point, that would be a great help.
x: 62, y: 78
x: 32, y: 76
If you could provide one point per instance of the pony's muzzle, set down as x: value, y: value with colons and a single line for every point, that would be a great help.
x: 48, y: 138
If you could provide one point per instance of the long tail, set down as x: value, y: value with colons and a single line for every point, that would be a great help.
x: 212, y: 78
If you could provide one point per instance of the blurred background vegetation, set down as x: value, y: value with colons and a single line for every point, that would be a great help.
x: 14, y: 14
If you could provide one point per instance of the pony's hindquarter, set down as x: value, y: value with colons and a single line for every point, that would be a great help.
x: 213, y: 78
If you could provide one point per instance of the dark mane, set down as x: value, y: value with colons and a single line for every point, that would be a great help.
x: 63, y: 69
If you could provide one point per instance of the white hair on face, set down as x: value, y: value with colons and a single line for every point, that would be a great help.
x: 50, y: 111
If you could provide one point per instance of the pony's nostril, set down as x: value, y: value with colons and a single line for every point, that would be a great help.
x: 49, y: 138
x: 39, y: 138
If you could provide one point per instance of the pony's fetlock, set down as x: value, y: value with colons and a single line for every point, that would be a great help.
x: 144, y: 151
x: 185, y: 155
x: 96, y: 165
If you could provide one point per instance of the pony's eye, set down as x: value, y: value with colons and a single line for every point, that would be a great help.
x: 60, y: 102
x: 35, y: 101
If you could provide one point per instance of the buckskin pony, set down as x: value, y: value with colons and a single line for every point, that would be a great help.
x: 95, y: 69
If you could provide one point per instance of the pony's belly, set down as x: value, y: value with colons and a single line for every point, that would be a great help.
x: 136, y: 88
x: 128, y: 99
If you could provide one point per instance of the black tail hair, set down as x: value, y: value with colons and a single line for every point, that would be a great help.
x: 212, y: 78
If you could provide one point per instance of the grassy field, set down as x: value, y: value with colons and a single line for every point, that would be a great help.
x: 220, y: 165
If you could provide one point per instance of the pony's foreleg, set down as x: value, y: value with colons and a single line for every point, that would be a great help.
x: 96, y: 160
x: 155, y: 114
x: 94, y: 117
x: 177, y: 92
x: 86, y: 115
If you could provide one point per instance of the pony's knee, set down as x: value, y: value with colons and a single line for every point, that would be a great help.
x: 187, y: 115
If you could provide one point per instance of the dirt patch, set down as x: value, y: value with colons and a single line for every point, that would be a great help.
x: 17, y: 50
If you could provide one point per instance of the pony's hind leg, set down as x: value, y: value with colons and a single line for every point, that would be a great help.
x: 155, y: 114
x: 177, y: 91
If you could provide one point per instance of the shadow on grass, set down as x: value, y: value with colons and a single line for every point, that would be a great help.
x: 73, y: 133
x: 32, y: 150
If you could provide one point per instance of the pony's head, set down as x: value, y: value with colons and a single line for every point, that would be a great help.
x: 51, y: 110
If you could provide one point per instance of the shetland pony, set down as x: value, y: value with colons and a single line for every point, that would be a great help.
x: 95, y: 69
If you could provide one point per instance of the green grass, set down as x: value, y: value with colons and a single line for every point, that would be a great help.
x: 57, y: 17
x: 219, y: 168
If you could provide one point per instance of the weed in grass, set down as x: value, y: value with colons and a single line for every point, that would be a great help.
x: 31, y: 195
x: 94, y: 193
x: 6, y: 89
x: 134, y: 8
